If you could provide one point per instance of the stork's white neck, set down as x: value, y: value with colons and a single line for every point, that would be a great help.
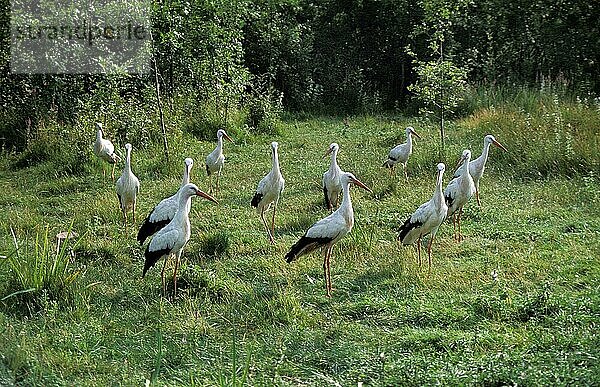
x: 438, y: 195
x: 485, y: 151
x: 99, y: 134
x: 464, y: 168
x: 184, y: 205
x: 127, y: 168
x: 275, y: 157
x: 333, y: 167
x: 186, y: 175
x: 219, y: 144
x: 409, y: 139
x: 346, y: 207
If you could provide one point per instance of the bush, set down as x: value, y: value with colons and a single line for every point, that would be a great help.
x: 43, y: 272
x: 67, y: 149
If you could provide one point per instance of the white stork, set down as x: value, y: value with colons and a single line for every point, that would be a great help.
x: 215, y: 160
x: 459, y: 191
x: 327, y: 231
x: 426, y: 219
x: 332, y: 186
x: 105, y: 150
x: 477, y: 166
x: 401, y: 153
x: 164, y: 211
x: 171, y: 239
x: 268, y: 192
x: 127, y: 187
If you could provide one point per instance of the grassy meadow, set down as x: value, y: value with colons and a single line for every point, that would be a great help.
x: 245, y: 316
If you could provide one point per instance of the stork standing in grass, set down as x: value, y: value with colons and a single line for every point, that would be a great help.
x: 171, y: 239
x: 215, y: 160
x: 459, y: 191
x: 268, y: 192
x: 477, y: 166
x: 105, y: 150
x: 426, y: 219
x: 332, y: 186
x: 127, y: 187
x: 164, y: 211
x: 401, y: 153
x: 327, y: 231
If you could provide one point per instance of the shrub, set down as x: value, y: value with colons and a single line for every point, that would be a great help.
x: 43, y: 272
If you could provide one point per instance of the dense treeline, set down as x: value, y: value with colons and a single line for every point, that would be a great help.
x: 224, y: 62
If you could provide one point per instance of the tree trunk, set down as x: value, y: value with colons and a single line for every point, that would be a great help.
x: 160, y: 112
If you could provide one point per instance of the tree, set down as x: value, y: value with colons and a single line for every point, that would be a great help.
x: 440, y: 83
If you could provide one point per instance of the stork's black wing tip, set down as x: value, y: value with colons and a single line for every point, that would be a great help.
x: 149, y: 228
x: 256, y: 199
x: 304, y: 246
x: 152, y: 257
x: 406, y: 228
x: 326, y: 195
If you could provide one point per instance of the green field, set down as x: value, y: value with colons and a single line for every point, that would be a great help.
x: 245, y: 316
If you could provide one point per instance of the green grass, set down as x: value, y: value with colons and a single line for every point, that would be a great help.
x: 244, y: 316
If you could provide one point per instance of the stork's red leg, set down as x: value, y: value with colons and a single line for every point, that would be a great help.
x: 162, y: 275
x: 419, y: 250
x: 454, y: 224
x: 273, y: 224
x: 329, y: 250
x: 429, y: 250
x: 262, y: 216
x: 459, y: 231
x: 177, y: 257
x: 325, y: 271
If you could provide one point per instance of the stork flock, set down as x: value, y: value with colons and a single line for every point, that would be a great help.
x: 169, y: 225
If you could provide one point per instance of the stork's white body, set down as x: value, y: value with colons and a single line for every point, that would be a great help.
x: 332, y: 184
x: 329, y: 230
x: 216, y: 159
x: 460, y: 189
x: 426, y: 219
x: 401, y: 153
x: 165, y: 210
x: 127, y: 187
x: 171, y: 239
x: 477, y: 166
x: 104, y: 149
x: 269, y: 191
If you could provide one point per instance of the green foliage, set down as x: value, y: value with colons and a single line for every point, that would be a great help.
x: 547, y: 135
x: 440, y: 87
x: 65, y: 150
x: 42, y: 272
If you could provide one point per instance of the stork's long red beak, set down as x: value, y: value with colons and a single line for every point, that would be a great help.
x: 460, y: 161
x: 361, y: 185
x: 499, y: 145
x: 329, y: 150
x: 227, y: 137
x: 415, y: 133
x: 207, y: 196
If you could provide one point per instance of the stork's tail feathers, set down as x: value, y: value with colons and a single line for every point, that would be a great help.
x: 256, y: 199
x: 326, y: 195
x: 387, y: 163
x: 152, y: 257
x: 149, y: 228
x: 112, y: 158
x: 304, y: 246
x: 405, y: 229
